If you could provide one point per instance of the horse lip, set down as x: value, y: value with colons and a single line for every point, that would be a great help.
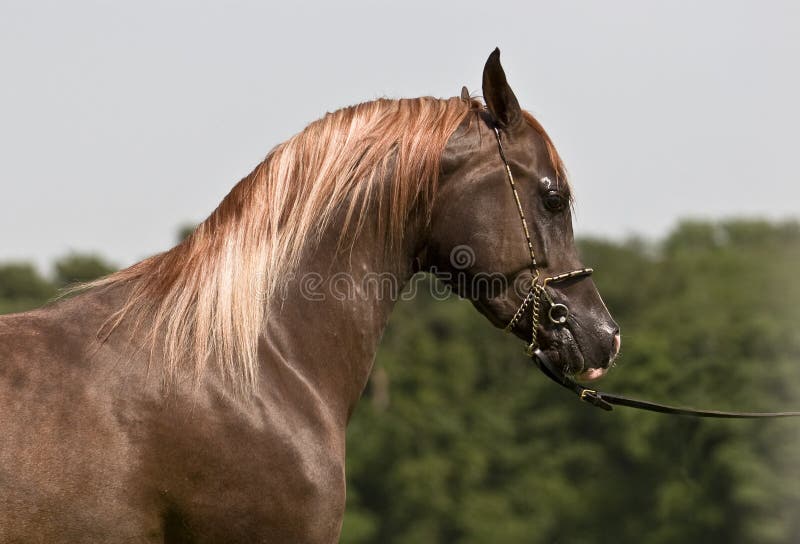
x: 570, y: 363
x: 591, y: 374
x: 554, y: 341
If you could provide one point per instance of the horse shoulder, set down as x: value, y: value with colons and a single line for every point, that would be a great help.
x: 64, y: 455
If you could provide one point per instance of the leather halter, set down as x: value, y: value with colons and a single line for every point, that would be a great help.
x: 558, y: 313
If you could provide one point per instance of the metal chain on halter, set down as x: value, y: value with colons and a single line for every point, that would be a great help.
x: 557, y: 312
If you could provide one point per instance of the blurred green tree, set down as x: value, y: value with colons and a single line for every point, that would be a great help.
x: 185, y: 231
x: 77, y: 268
x: 22, y: 288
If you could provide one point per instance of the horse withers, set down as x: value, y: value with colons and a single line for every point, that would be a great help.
x: 202, y: 394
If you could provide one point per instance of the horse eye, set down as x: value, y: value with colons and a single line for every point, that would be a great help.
x: 553, y: 201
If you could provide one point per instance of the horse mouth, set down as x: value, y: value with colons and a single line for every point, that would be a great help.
x: 591, y: 374
x: 560, y: 344
x: 564, y: 348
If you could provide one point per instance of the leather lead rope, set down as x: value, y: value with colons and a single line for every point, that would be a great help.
x: 607, y: 400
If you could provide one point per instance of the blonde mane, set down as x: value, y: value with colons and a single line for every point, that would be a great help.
x: 209, y: 295
x: 207, y: 298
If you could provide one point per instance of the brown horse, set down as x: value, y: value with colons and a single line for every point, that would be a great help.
x: 202, y: 394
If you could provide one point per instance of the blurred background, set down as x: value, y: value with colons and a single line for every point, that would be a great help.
x: 123, y: 125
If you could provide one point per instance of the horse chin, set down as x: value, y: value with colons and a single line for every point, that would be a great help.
x: 560, y: 346
x: 565, y: 351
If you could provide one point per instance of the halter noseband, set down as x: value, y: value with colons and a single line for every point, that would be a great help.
x: 557, y: 312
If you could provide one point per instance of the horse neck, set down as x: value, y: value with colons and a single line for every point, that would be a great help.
x: 333, y: 311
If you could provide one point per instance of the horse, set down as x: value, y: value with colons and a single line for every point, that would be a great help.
x: 202, y: 394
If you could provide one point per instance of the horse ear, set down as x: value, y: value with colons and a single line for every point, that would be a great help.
x: 499, y: 97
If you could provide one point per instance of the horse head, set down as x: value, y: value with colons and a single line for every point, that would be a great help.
x: 501, y: 234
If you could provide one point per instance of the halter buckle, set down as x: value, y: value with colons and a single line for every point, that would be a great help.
x: 587, y: 393
x: 593, y: 397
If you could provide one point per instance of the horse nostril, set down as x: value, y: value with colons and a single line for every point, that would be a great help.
x: 617, y: 345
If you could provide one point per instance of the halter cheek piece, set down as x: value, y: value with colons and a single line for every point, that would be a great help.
x: 558, y: 314
x: 537, y: 293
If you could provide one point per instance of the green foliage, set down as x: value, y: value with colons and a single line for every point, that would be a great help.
x: 22, y: 288
x: 77, y: 268
x: 185, y: 231
x: 21, y: 281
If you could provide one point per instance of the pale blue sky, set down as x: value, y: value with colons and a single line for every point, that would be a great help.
x: 119, y: 123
